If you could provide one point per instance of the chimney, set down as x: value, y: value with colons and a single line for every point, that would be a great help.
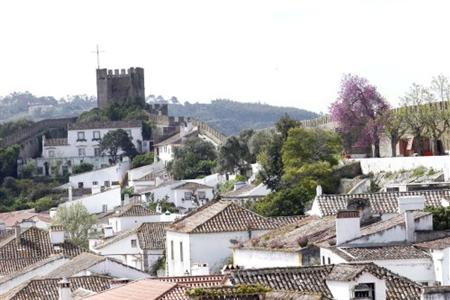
x: 126, y: 199
x: 17, y: 234
x: 319, y: 190
x: 410, y: 226
x: 406, y: 203
x: 2, y: 226
x: 158, y: 208
x: 64, y: 292
x: 347, y: 226
x: 69, y: 190
x: 108, y: 231
x: 56, y: 234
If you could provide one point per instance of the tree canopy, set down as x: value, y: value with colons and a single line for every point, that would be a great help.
x: 115, y: 141
x: 196, y: 158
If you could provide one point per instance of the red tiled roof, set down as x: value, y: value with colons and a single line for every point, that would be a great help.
x: 222, y: 216
x: 11, y: 218
x: 197, y: 281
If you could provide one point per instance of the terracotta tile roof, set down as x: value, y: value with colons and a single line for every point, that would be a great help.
x: 285, y: 238
x: 396, y: 252
x: 56, y: 142
x: 191, y: 186
x: 197, y: 281
x: 77, y: 264
x: 134, y: 210
x: 379, y: 202
x: 11, y: 218
x: 222, y: 216
x: 436, y: 244
x: 34, y: 245
x: 177, y: 293
x: 288, y: 295
x: 238, y: 192
x: 146, y: 289
x: 151, y: 235
x: 173, y: 140
x: 313, y: 279
x: 105, y: 124
x: 285, y: 220
x: 47, y: 289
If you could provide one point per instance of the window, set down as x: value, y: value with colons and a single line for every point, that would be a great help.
x: 181, y: 251
x: 80, y: 136
x: 105, y: 207
x: 96, y: 135
x: 106, y: 183
x: 94, y: 182
x: 80, y: 185
x: 364, y: 291
x: 329, y: 261
x: 201, y: 195
x: 51, y: 153
x: 323, y: 260
x: 172, y: 256
x: 133, y: 244
x: 81, y: 152
x: 187, y: 195
x: 97, y: 152
x: 115, y: 183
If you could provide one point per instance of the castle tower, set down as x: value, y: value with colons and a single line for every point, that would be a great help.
x: 118, y: 86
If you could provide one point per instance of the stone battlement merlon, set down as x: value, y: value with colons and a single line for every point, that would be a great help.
x: 119, y: 73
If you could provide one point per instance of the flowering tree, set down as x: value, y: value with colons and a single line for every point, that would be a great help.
x: 357, y: 112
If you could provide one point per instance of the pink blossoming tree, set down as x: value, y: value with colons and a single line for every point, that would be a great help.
x: 357, y: 113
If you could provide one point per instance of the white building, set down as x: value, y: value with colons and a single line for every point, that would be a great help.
x: 200, y: 243
x: 147, y: 177
x: 106, y: 177
x: 186, y: 195
x: 99, y: 202
x: 140, y: 248
x: 132, y: 216
x: 82, y: 146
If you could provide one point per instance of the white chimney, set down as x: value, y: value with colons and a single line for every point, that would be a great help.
x: 126, y: 199
x: 319, y: 191
x: 64, y: 292
x: 410, y: 226
x: 56, y: 233
x: 69, y: 190
x: 2, y: 226
x: 52, y: 212
x: 17, y: 232
x: 406, y: 203
x: 347, y: 226
x: 108, y: 231
x: 158, y: 208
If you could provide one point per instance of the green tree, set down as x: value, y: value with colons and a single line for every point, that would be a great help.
x: 196, y: 158
x: 143, y: 160
x: 284, y: 124
x: 44, y: 204
x: 394, y: 127
x: 259, y: 140
x: 235, y: 155
x: 441, y: 217
x: 8, y: 161
x: 77, y: 221
x: 117, y: 140
x: 82, y: 168
x: 285, y: 202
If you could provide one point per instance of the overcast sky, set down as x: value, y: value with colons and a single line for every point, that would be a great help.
x: 290, y: 53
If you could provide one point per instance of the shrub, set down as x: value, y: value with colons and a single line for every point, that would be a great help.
x: 82, y: 168
x: 43, y: 204
x: 143, y: 160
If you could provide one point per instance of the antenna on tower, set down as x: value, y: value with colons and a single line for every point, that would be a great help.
x: 97, y: 51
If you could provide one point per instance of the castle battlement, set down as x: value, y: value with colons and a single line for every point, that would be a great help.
x: 116, y: 86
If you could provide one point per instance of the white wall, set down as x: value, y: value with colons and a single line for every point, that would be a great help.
x: 255, y: 258
x: 208, y: 248
x: 394, y: 164
x: 111, y: 174
x: 441, y: 263
x: 94, y: 203
x: 178, y: 196
x: 165, y: 153
x: 125, y: 223
x: 342, y: 290
x: 114, y: 269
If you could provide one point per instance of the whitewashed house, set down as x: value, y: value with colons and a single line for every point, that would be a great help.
x: 101, y: 178
x: 82, y: 146
x: 131, y: 216
x: 98, y: 202
x: 201, y: 242
x: 186, y: 195
x: 141, y: 247
x: 147, y: 177
x: 439, y: 250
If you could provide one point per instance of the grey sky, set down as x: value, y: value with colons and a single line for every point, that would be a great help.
x: 278, y: 52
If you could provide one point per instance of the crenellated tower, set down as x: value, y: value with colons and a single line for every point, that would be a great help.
x: 119, y: 85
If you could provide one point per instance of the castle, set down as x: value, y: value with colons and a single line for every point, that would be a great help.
x: 119, y: 86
